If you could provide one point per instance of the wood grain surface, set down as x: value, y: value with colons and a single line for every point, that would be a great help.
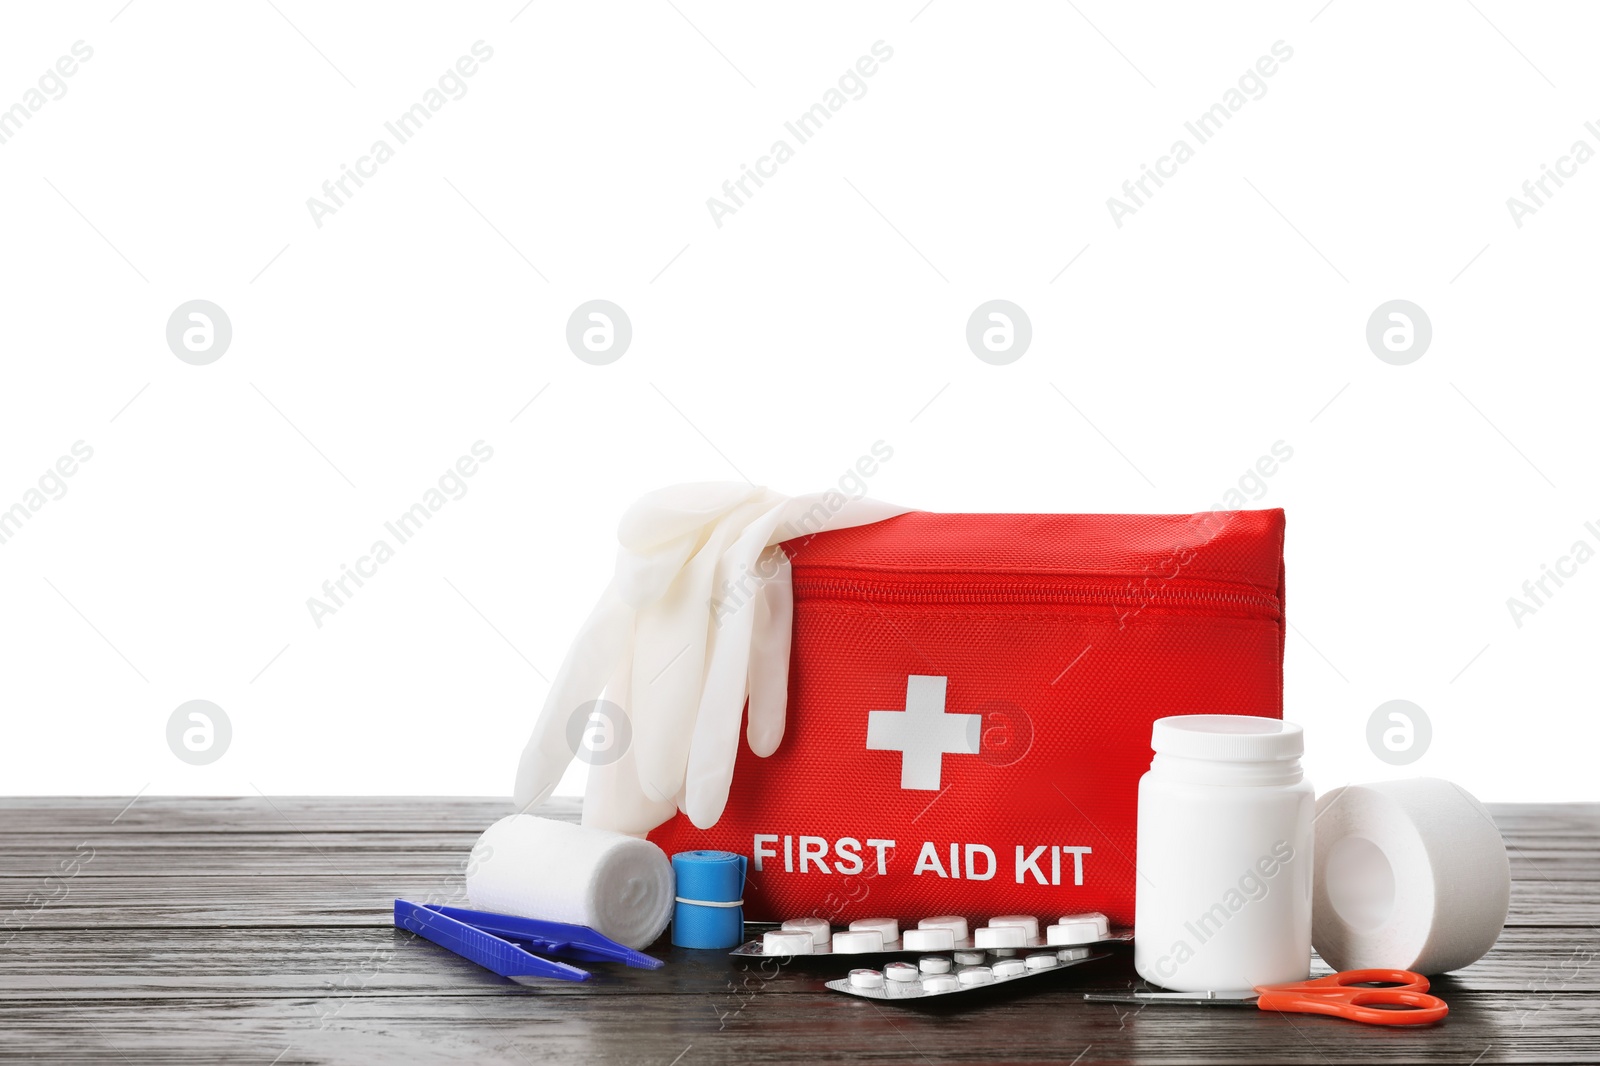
x: 180, y: 930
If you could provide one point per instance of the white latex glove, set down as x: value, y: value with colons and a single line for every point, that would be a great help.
x: 680, y: 666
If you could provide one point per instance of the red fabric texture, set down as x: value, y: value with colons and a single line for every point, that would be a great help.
x: 1068, y: 634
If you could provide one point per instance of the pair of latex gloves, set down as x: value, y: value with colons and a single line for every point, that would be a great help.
x: 696, y: 621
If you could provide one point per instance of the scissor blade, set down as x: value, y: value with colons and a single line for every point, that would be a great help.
x: 1199, y: 999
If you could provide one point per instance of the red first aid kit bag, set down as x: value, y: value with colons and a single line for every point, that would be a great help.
x: 970, y: 703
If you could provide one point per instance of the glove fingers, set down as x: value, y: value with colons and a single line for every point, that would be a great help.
x: 614, y: 799
x: 769, y: 654
x: 670, y: 662
x: 731, y: 671
x: 684, y: 682
x: 641, y: 580
x: 715, y: 745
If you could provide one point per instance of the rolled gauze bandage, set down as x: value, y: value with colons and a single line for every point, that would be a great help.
x: 617, y: 885
x: 1409, y: 875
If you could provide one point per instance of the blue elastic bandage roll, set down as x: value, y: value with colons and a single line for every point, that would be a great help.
x: 709, y: 912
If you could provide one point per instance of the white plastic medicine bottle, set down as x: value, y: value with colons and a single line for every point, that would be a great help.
x: 1223, y: 896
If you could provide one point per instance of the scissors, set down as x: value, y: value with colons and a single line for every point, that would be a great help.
x: 1401, y: 999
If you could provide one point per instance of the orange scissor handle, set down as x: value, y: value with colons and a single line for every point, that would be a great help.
x: 1341, y: 996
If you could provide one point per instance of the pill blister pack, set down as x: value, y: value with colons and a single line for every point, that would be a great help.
x: 1007, y: 933
x: 960, y: 971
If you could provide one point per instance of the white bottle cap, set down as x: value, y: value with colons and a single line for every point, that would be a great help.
x: 1042, y: 961
x: 1227, y: 737
x: 888, y: 927
x: 929, y: 939
x: 854, y: 943
x: 1005, y: 936
x: 901, y: 971
x: 819, y: 929
x: 786, y: 942
x: 933, y: 964
x: 953, y: 922
x: 866, y: 979
x: 940, y: 982
x: 1078, y: 929
x: 1072, y: 954
x: 1025, y: 921
x: 1009, y: 968
x: 976, y: 975
x: 970, y: 958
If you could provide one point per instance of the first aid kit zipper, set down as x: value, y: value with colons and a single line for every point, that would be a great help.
x: 1025, y: 589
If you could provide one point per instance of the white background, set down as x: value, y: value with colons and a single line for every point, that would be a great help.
x: 826, y: 314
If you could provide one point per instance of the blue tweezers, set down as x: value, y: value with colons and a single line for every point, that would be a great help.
x: 502, y: 942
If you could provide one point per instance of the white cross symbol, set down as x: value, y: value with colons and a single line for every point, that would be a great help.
x: 923, y: 733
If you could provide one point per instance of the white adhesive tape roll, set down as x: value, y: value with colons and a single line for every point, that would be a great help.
x: 1408, y: 874
x: 617, y: 885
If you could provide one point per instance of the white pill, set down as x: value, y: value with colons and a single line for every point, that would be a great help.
x: 1100, y: 920
x: 1072, y: 954
x: 934, y: 964
x: 1024, y: 921
x: 1004, y: 953
x: 1005, y: 936
x: 786, y: 942
x: 866, y: 979
x: 1009, y: 968
x: 976, y: 975
x: 854, y: 943
x: 942, y: 982
x: 906, y: 971
x: 1079, y: 929
x: 1042, y: 961
x: 887, y: 927
x: 953, y: 922
x: 928, y: 940
x: 819, y: 929
x: 970, y: 958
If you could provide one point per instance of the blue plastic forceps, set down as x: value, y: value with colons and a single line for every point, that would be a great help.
x: 502, y: 942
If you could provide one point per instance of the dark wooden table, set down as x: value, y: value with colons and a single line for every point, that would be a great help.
x: 258, y: 931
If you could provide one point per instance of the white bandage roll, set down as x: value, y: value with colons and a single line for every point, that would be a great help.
x: 1409, y: 875
x: 619, y: 886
